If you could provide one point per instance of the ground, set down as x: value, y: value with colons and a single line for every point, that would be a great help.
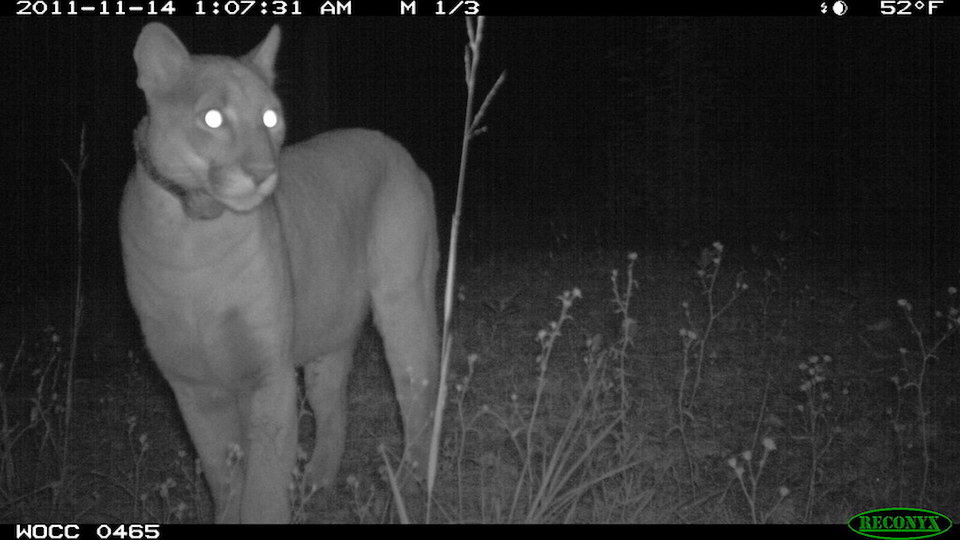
x: 743, y: 384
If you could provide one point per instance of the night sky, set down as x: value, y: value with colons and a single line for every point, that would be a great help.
x: 610, y: 133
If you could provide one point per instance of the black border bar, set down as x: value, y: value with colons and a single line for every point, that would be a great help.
x: 827, y: 9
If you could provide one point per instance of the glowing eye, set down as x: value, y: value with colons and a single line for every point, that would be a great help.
x: 270, y: 118
x: 213, y: 118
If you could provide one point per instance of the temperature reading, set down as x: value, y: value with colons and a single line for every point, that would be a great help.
x: 906, y: 7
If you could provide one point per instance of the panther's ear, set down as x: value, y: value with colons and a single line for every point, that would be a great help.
x: 160, y: 57
x: 265, y: 54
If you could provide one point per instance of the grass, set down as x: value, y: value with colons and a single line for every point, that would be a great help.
x: 562, y: 408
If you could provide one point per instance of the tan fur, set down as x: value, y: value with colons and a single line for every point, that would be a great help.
x: 244, y: 262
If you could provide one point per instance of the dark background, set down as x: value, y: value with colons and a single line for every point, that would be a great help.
x: 610, y: 133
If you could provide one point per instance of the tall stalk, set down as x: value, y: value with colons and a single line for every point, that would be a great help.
x: 471, y: 128
x: 76, y: 176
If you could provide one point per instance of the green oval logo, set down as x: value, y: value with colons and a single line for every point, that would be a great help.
x: 899, y: 523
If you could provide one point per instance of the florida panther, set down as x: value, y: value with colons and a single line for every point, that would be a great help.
x: 245, y: 261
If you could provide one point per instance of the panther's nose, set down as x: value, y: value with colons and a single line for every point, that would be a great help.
x: 260, y: 173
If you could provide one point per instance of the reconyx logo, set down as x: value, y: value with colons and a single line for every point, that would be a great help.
x: 899, y: 523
